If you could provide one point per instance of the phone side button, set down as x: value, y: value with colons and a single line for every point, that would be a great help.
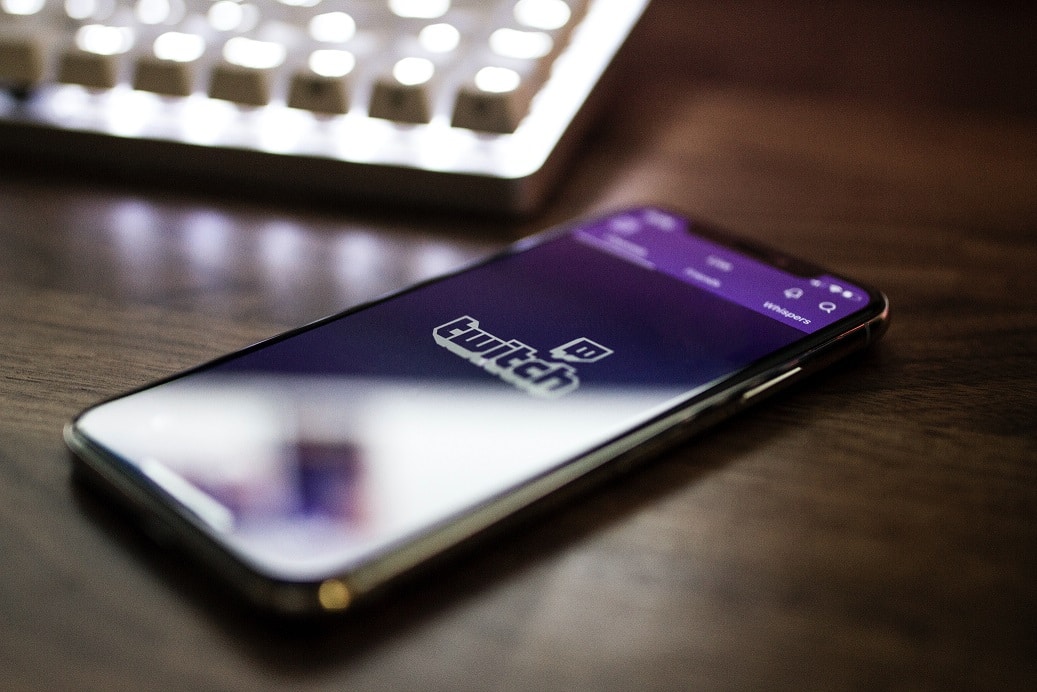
x: 761, y: 388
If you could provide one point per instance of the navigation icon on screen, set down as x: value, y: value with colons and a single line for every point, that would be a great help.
x: 827, y: 306
x: 661, y: 220
x: 794, y: 293
x: 625, y: 225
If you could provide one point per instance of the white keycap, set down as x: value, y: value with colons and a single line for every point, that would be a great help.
x: 20, y: 8
x: 332, y: 27
x: 440, y: 37
x: 22, y: 58
x: 171, y: 68
x: 245, y: 76
x: 405, y: 95
x: 419, y: 9
x: 318, y: 93
x: 538, y: 23
x: 494, y: 100
x: 521, y: 44
x: 545, y: 15
x: 88, y: 69
x: 530, y: 53
x: 323, y: 87
x: 96, y: 58
x: 167, y: 77
x: 245, y: 85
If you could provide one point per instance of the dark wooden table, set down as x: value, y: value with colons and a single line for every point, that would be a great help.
x: 875, y: 528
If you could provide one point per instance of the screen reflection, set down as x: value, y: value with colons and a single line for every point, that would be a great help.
x: 303, y: 475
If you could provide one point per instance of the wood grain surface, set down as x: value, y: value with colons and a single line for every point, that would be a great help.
x: 875, y: 528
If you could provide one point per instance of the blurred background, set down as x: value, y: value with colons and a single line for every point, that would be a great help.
x: 873, y: 529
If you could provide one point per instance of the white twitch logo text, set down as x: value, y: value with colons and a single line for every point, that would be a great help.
x: 517, y: 363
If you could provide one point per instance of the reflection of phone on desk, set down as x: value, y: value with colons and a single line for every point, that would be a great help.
x: 314, y: 468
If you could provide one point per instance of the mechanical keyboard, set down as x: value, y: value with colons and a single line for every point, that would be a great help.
x: 463, y: 103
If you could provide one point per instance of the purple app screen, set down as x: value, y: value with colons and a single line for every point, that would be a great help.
x: 319, y: 449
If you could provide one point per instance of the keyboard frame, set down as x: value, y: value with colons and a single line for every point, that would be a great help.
x: 141, y: 136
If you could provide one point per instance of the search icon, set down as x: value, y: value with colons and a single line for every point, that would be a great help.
x: 827, y: 307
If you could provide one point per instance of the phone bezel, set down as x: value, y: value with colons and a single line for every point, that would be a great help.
x: 723, y: 398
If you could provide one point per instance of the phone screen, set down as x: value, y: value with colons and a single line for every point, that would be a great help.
x: 318, y: 451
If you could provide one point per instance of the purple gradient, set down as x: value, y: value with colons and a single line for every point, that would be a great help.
x: 659, y: 240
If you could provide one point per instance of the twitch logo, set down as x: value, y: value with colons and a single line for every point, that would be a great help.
x: 518, y: 363
x: 581, y: 351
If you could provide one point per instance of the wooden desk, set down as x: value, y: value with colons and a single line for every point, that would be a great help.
x: 876, y: 528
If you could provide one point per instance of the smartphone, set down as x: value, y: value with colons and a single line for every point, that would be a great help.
x: 314, y: 469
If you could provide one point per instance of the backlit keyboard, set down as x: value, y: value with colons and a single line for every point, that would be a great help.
x: 461, y: 103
